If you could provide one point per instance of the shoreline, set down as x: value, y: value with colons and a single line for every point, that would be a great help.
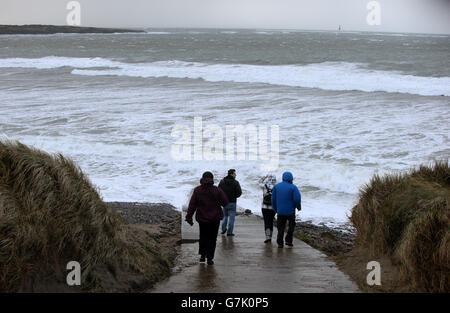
x: 161, y: 223
x: 331, y: 241
x: 36, y: 29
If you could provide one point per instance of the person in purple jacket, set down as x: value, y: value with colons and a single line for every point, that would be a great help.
x: 206, y: 202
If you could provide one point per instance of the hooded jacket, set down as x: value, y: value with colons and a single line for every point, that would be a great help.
x: 231, y: 187
x: 206, y: 201
x: 267, y: 183
x: 286, y: 196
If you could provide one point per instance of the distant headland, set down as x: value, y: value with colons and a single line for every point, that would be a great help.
x: 54, y: 29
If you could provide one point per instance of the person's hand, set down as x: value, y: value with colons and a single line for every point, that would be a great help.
x: 190, y: 222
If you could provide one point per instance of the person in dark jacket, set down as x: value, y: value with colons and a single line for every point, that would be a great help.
x: 206, y: 202
x: 232, y: 189
x: 285, y: 199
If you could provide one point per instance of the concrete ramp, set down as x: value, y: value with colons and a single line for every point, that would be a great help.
x: 244, y: 263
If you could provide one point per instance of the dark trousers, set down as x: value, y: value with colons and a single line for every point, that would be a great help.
x: 208, y: 238
x: 268, y: 216
x: 281, y: 224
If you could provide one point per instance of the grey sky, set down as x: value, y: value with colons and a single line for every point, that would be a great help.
x: 420, y: 16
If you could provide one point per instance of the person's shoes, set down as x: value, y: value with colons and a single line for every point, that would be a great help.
x: 202, y: 259
x: 280, y: 246
x: 289, y: 244
x: 268, y: 236
x: 224, y: 231
x: 230, y: 234
x: 210, y: 262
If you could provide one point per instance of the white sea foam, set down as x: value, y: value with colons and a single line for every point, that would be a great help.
x: 326, y: 76
x: 56, y: 62
x: 332, y: 146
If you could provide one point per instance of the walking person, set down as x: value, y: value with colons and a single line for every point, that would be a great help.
x: 267, y: 183
x: 285, y: 199
x: 233, y: 190
x: 206, y: 202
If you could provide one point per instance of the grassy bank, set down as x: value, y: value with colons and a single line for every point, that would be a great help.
x: 405, y: 218
x: 403, y: 222
x: 51, y: 214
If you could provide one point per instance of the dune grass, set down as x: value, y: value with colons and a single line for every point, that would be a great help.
x: 50, y: 214
x: 407, y: 216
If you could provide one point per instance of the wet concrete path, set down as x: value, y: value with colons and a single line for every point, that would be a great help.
x: 244, y: 263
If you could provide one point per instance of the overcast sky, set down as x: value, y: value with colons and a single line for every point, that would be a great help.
x: 419, y: 16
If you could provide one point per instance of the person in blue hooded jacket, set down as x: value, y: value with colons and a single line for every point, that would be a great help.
x: 285, y: 199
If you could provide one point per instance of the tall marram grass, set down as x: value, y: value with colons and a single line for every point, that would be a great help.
x: 407, y: 216
x: 51, y: 214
